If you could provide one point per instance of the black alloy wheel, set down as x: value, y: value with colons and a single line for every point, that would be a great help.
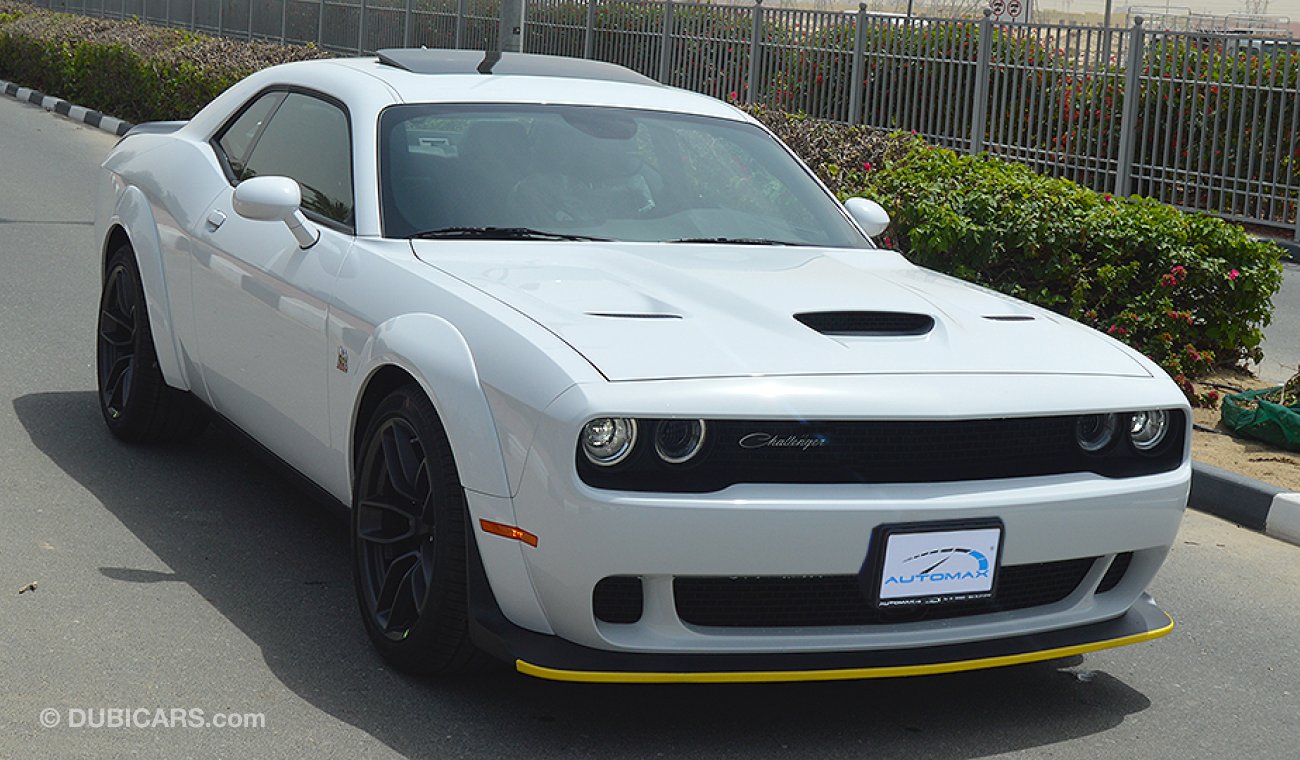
x: 117, y: 338
x: 408, y: 538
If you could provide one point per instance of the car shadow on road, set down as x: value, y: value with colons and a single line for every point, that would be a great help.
x: 272, y: 559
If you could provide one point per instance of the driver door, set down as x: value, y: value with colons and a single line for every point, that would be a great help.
x: 261, y: 302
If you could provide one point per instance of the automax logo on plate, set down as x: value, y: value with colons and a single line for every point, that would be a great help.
x: 938, y: 566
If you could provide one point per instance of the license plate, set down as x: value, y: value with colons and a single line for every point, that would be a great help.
x: 935, y: 563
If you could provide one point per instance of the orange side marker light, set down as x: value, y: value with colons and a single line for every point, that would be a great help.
x: 508, y: 531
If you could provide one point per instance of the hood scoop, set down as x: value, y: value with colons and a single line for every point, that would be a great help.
x: 869, y: 324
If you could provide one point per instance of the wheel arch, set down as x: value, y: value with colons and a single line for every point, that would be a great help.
x: 482, y: 472
x: 427, y: 351
x: 133, y: 224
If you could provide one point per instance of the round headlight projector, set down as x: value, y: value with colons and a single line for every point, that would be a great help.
x: 1094, y: 432
x: 1148, y: 429
x: 676, y: 441
x: 608, y: 440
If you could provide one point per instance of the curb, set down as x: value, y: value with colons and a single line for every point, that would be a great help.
x: 1248, y: 502
x: 113, y: 126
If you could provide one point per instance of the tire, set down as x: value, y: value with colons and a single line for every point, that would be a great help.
x: 409, y: 539
x: 137, y: 404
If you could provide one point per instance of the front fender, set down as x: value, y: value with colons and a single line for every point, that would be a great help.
x: 133, y: 214
x: 433, y: 351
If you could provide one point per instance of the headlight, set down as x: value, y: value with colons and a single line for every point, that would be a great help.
x: 1148, y: 429
x: 676, y: 441
x: 608, y: 440
x: 1094, y: 432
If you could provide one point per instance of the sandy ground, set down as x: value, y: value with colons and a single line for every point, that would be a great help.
x: 1253, y: 459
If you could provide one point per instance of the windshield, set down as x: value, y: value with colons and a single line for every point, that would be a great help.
x: 581, y: 172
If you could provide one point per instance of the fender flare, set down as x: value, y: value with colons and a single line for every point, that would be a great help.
x: 432, y: 350
x: 134, y: 217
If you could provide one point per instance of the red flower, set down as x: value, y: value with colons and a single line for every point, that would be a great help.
x: 1234, y: 274
x: 866, y: 167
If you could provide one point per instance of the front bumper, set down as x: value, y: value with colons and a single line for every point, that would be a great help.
x: 553, y: 658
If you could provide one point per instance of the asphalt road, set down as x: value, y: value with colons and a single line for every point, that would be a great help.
x: 199, y: 577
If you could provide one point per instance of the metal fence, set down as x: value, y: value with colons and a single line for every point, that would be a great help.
x: 1201, y: 120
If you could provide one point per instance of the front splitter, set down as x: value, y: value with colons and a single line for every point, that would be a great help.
x: 553, y: 658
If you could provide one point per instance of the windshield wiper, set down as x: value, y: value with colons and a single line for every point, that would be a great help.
x: 499, y: 233
x: 735, y: 241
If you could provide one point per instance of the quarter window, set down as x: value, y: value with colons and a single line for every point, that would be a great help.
x: 238, y: 138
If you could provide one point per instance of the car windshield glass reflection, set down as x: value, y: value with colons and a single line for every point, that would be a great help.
x: 589, y: 173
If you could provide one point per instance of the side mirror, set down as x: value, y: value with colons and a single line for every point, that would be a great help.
x: 275, y: 199
x: 868, y: 214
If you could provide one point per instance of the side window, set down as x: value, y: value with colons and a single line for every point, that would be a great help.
x: 236, y: 140
x: 308, y: 140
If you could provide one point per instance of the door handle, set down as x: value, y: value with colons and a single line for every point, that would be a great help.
x: 215, y: 220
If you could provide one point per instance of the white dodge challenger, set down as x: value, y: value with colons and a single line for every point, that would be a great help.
x: 616, y: 390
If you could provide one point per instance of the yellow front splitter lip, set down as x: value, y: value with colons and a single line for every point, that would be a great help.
x: 849, y: 673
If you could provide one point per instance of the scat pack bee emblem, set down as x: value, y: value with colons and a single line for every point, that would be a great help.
x: 342, y: 364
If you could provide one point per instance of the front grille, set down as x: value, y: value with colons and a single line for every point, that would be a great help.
x: 618, y: 599
x: 837, y: 600
x: 1115, y: 573
x: 867, y: 323
x: 879, y: 451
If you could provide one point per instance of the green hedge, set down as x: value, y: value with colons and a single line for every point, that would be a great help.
x: 129, y: 69
x: 1190, y: 291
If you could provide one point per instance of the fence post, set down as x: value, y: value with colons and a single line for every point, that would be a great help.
x: 194, y: 14
x: 859, y: 65
x: 250, y: 21
x: 589, y: 36
x: 221, y: 18
x: 361, y: 30
x: 983, y: 64
x: 755, y: 53
x: 284, y: 20
x: 461, y: 7
x: 406, y: 25
x: 1128, y: 115
x: 666, y: 45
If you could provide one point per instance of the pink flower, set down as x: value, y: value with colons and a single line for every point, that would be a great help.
x: 866, y: 167
x: 1180, y: 271
x: 1234, y: 274
x: 1108, y: 197
x: 734, y: 95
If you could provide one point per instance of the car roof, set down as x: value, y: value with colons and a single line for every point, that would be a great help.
x: 452, y: 76
x: 497, y: 63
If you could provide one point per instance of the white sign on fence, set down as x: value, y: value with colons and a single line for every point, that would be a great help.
x: 1010, y: 10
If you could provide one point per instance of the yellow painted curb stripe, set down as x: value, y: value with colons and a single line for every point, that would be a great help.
x: 845, y: 674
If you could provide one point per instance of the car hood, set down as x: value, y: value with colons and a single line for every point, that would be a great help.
x: 640, y: 311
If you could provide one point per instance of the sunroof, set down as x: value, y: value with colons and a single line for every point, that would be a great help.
x: 426, y: 61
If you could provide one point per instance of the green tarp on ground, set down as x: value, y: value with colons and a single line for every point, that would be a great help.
x: 1252, y: 415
